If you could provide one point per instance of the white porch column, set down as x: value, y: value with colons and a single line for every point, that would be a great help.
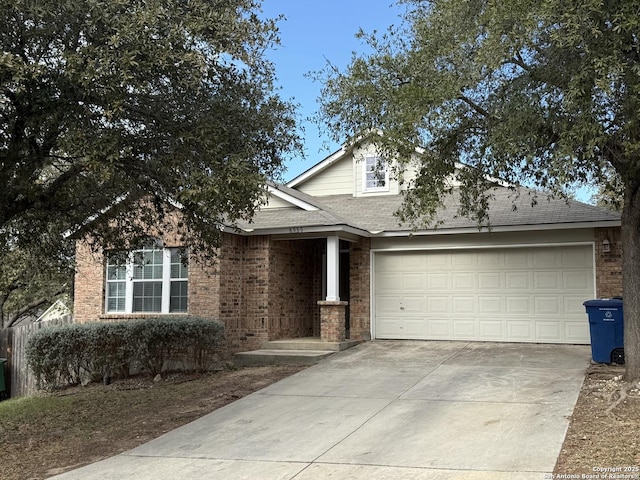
x: 333, y: 269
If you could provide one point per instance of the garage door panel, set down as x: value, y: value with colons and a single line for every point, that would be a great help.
x: 464, y: 261
x: 546, y: 281
x: 388, y: 305
x: 515, y: 259
x: 492, y: 329
x: 572, y: 306
x: 512, y: 294
x: 437, y: 261
x: 414, y: 327
x: 572, y: 257
x: 439, y: 282
x: 576, y: 280
x: 545, y: 258
x: 413, y: 282
x: 463, y: 329
x: 490, y: 281
x: 464, y: 281
x: 413, y: 305
x: 549, y: 305
x: 489, y: 260
x: 490, y: 305
x: 548, y: 330
x: 437, y: 305
x: 389, y: 327
x: 463, y: 305
x: 438, y: 328
x: 520, y: 281
x: 575, y: 331
x: 519, y: 331
x: 519, y: 305
x: 389, y: 282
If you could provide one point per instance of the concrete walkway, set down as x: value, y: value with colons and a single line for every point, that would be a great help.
x: 381, y: 410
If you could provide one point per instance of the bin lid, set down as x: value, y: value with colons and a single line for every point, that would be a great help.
x: 604, y: 302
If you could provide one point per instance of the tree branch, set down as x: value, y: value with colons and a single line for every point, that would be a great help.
x: 474, y: 106
x: 33, y: 305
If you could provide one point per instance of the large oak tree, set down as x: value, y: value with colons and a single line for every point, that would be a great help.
x: 107, y: 102
x: 542, y: 92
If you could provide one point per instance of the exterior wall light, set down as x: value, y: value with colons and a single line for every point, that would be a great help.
x: 606, y: 246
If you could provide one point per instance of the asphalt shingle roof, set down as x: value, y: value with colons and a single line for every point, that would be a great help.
x: 376, y: 213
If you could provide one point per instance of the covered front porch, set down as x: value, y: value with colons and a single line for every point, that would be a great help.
x: 315, y: 304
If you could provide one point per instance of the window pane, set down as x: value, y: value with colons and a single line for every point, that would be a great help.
x: 148, y: 265
x: 147, y: 296
x: 178, y: 301
x: 178, y: 266
x: 116, y: 292
x: 115, y: 272
x: 375, y: 172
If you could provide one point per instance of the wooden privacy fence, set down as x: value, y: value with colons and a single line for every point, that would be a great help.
x: 19, y: 379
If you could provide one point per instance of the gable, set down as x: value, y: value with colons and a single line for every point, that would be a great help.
x: 275, y: 202
x: 336, y: 179
x: 345, y: 173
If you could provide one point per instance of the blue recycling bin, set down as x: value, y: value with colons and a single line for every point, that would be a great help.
x: 606, y: 325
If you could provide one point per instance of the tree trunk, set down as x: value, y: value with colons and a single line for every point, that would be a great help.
x: 631, y: 280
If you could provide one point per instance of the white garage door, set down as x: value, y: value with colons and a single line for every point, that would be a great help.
x: 510, y: 294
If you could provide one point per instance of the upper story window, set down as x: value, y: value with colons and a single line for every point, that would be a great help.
x: 376, y: 175
x: 150, y: 280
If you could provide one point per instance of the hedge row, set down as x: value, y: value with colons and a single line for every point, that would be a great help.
x: 72, y: 353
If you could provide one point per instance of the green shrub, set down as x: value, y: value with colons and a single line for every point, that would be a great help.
x: 65, y: 355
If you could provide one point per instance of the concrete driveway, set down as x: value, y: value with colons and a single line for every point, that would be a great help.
x: 381, y: 410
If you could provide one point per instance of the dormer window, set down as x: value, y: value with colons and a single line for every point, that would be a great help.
x: 376, y: 175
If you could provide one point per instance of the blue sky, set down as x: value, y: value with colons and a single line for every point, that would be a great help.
x: 313, y: 33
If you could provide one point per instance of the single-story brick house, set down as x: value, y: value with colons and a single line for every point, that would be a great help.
x: 327, y: 258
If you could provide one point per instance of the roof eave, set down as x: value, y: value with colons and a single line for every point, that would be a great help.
x: 312, y: 231
x: 498, y: 229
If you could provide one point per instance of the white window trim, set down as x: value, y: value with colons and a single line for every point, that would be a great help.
x: 129, y: 282
x: 378, y: 162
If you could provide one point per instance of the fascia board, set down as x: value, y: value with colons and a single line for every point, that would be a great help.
x: 298, y: 232
x: 498, y: 229
x: 291, y: 199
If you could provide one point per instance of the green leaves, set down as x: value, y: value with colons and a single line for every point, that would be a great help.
x: 135, y: 99
x: 536, y: 91
x: 68, y: 354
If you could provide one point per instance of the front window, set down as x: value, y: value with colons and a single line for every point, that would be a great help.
x: 151, y: 280
x: 376, y: 175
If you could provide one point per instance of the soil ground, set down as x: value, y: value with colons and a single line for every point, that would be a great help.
x: 603, y: 439
x: 54, y: 432
x: 51, y: 433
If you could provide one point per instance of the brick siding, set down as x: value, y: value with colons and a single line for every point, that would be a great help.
x: 332, y: 321
x: 360, y: 294
x: 608, y: 265
x: 292, y: 273
x: 88, y: 294
x: 261, y: 289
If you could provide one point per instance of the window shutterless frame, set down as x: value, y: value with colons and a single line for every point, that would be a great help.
x: 375, y: 175
x: 150, y: 280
